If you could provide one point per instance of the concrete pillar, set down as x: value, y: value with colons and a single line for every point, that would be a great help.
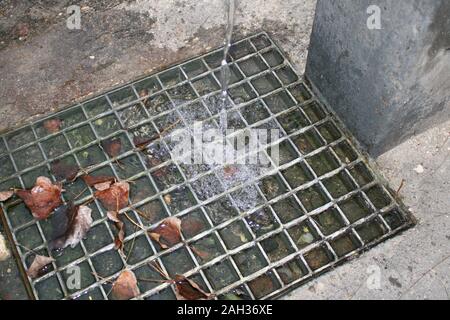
x: 389, y: 83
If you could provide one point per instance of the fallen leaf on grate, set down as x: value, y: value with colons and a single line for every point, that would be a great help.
x: 99, y: 183
x: 63, y: 171
x: 188, y: 290
x: 43, y: 198
x: 5, y: 195
x: 115, y: 197
x: 52, y: 125
x: 118, y: 241
x: 125, y: 287
x: 167, y: 233
x: 112, y: 147
x: 70, y: 225
x: 38, y: 266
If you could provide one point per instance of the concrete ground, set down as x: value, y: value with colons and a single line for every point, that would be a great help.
x: 415, y: 264
x: 44, y: 66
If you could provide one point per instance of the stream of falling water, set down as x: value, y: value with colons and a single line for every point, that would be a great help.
x: 224, y: 67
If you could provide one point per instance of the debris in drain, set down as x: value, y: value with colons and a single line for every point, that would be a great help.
x: 120, y: 226
x: 125, y: 287
x: 187, y: 289
x: 64, y: 171
x: 39, y: 266
x: 6, y: 195
x: 186, y: 215
x: 43, y: 198
x: 115, y: 197
x: 52, y: 125
x: 100, y: 183
x: 167, y: 233
x: 70, y: 225
x: 112, y: 147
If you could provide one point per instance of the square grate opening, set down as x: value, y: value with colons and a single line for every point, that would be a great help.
x: 264, y: 233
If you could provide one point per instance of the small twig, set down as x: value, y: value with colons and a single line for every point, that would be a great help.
x: 157, y: 136
x: 100, y: 277
x: 423, y: 275
x: 153, y: 280
x: 79, y: 195
x: 400, y: 187
x: 141, y: 213
x: 120, y: 165
x: 132, y: 245
x: 158, y: 269
x: 87, y: 202
x: 27, y: 249
x: 133, y: 222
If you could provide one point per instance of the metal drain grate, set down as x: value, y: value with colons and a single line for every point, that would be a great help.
x: 264, y: 235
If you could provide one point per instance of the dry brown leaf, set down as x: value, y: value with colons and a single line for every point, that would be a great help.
x: 188, y: 290
x: 167, y: 233
x: 37, y: 268
x: 43, y: 198
x: 118, y: 241
x: 102, y: 186
x: 125, y: 287
x: 52, y: 125
x: 5, y: 195
x: 99, y: 183
x: 70, y: 225
x: 112, y: 147
x: 63, y: 170
x: 114, y: 198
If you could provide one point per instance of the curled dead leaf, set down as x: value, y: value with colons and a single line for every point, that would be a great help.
x: 125, y: 287
x: 63, y: 170
x: 38, y: 266
x: 5, y: 195
x: 52, y: 125
x: 120, y: 226
x: 43, y: 198
x: 187, y: 289
x: 115, y: 197
x: 167, y: 233
x: 70, y: 225
x: 112, y: 146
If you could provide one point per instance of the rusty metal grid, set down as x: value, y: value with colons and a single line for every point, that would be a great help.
x: 313, y: 141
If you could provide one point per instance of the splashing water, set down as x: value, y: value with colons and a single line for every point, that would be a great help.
x: 224, y: 67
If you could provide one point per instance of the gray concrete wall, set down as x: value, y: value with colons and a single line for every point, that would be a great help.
x: 385, y: 84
